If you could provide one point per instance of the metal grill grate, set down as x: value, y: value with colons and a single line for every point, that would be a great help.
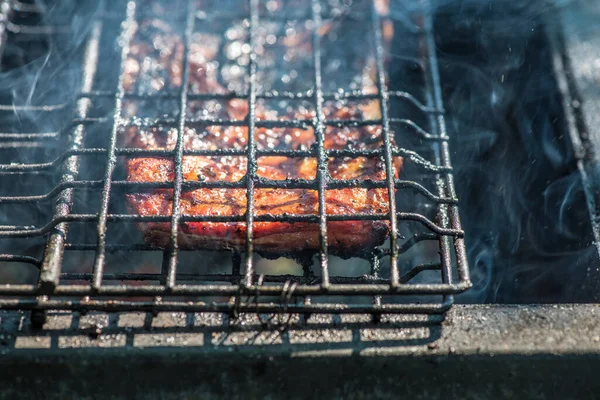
x: 111, y: 278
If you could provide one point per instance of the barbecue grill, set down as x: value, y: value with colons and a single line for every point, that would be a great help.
x: 84, y: 299
x: 314, y: 287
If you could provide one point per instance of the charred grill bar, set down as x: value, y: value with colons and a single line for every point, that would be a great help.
x: 55, y: 288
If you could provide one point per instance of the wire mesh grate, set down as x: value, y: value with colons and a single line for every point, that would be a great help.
x: 82, y: 259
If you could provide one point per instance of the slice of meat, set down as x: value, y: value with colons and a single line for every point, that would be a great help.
x: 154, y: 65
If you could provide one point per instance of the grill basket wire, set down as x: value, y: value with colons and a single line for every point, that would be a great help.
x: 80, y: 202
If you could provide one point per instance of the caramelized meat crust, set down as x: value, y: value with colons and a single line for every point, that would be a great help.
x: 154, y: 65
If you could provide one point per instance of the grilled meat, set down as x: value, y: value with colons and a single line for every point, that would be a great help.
x: 154, y: 65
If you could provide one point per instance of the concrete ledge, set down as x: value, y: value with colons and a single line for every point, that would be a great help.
x: 476, y: 352
x: 467, y: 330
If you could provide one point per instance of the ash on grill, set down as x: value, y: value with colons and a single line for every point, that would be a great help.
x: 245, y: 76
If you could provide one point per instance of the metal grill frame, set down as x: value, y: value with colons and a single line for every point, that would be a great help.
x: 246, y: 292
